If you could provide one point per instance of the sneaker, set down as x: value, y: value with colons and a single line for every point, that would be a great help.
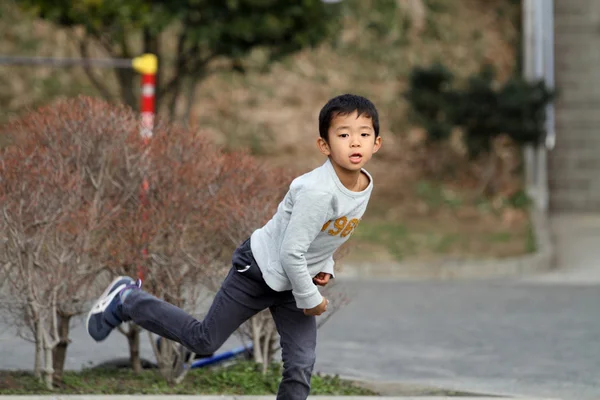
x: 105, y: 314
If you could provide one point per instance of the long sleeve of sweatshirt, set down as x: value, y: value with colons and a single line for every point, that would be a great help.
x: 310, y: 211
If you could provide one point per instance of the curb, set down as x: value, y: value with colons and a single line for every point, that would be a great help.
x: 456, y: 268
x: 194, y: 397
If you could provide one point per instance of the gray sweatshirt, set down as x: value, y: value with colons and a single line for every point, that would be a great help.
x: 317, y: 215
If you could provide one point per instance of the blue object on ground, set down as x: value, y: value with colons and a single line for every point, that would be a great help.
x: 203, y: 362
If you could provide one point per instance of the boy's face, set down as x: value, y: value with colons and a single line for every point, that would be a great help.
x: 351, y: 142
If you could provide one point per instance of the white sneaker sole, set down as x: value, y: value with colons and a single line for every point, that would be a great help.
x: 102, y: 299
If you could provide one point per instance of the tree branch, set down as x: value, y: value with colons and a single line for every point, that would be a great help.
x: 123, y: 42
x: 84, y: 51
x: 174, y: 86
x: 187, y: 68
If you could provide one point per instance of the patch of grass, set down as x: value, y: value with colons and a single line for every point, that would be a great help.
x: 240, y: 378
x: 520, y: 200
x: 401, y: 242
x: 530, y: 244
x: 394, y: 237
x: 444, y: 242
x: 499, y: 237
x: 443, y: 230
x: 435, y: 195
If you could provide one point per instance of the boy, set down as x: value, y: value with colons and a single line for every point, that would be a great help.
x: 280, y: 265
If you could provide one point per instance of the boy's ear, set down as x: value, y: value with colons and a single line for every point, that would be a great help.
x: 323, y: 146
x: 377, y: 144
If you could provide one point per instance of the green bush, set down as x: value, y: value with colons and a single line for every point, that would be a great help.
x: 481, y: 107
x: 431, y: 97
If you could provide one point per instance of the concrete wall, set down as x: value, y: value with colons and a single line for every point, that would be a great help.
x: 574, y: 164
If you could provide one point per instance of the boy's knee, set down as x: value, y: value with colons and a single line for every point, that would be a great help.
x: 207, y: 348
x: 204, y: 345
x: 304, y: 360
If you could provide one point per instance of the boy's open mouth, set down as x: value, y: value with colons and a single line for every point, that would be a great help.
x: 355, y: 158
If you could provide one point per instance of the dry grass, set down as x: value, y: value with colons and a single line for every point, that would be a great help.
x: 275, y: 113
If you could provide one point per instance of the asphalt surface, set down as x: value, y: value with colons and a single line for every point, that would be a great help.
x: 510, y: 338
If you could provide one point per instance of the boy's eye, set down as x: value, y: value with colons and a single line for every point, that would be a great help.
x: 366, y: 134
x: 343, y: 135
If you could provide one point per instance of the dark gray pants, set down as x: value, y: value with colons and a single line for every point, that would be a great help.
x: 242, y: 295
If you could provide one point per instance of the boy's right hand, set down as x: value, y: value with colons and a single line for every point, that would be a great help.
x: 318, y: 310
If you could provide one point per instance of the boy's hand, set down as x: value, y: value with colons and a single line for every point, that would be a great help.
x: 322, y: 278
x: 318, y: 310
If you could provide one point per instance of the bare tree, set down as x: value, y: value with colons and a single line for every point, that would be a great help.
x: 38, y: 246
x: 107, y: 157
x: 96, y: 157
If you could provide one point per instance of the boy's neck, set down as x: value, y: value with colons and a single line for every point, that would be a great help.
x: 350, y: 179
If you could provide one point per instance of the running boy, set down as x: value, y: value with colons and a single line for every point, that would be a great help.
x: 280, y: 265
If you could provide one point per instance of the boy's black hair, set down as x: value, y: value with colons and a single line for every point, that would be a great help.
x: 343, y: 105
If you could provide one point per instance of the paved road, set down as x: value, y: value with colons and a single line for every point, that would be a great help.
x: 495, y: 338
x: 490, y: 337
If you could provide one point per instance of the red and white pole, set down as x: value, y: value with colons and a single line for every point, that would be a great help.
x: 147, y: 105
x: 147, y: 66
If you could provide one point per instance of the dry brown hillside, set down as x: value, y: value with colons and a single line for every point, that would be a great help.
x: 275, y: 114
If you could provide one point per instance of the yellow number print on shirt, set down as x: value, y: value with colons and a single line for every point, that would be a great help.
x: 341, y: 225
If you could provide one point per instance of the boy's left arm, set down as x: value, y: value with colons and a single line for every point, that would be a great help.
x: 311, y: 210
x: 323, y: 277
